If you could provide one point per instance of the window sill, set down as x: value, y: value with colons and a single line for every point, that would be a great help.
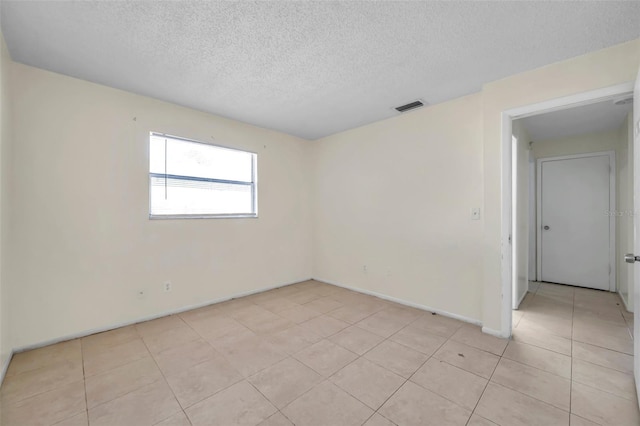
x: 202, y: 216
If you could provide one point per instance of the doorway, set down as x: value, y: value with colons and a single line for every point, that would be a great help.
x: 573, y: 323
x: 515, y: 241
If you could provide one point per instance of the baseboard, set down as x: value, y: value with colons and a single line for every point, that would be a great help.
x: 147, y: 318
x: 522, y: 298
x: 624, y: 302
x: 404, y: 302
x: 5, y: 367
x: 496, y: 333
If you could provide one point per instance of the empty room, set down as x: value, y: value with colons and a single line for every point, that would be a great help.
x: 319, y: 213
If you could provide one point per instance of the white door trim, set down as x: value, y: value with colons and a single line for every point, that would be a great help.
x: 612, y: 207
x: 532, y: 273
x: 506, y: 227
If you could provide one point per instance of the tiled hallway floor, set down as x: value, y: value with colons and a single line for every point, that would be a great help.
x: 573, y: 349
x: 315, y: 354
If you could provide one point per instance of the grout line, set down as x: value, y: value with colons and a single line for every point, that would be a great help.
x: 265, y: 397
x: 573, y: 315
x: 541, y: 347
x: 84, y: 380
x: 531, y: 397
x: 162, y: 374
x: 538, y: 368
x: 187, y: 417
x: 485, y: 388
x: 604, y: 390
x: 358, y: 356
x: 460, y: 368
x: 324, y: 379
x: 128, y: 392
x: 578, y: 341
x: 411, y: 375
x: 285, y: 416
x: 167, y: 382
x: 602, y: 347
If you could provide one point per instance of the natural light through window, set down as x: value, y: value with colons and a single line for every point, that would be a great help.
x: 194, y: 179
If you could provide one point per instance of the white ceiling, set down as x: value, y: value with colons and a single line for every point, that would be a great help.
x: 310, y: 69
x: 593, y: 118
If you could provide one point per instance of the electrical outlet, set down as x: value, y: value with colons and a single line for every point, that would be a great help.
x: 167, y: 286
x: 475, y: 213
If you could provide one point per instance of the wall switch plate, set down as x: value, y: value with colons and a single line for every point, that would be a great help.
x: 475, y: 213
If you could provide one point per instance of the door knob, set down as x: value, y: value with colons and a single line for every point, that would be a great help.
x: 630, y: 258
x: 546, y: 228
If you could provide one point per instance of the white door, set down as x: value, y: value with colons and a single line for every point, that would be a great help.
x: 576, y: 231
x: 636, y: 226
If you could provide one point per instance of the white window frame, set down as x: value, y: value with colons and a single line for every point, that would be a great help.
x: 253, y: 184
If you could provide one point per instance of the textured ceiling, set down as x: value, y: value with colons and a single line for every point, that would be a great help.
x: 593, y: 118
x: 307, y: 68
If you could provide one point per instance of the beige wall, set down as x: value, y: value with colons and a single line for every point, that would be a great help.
x: 82, y: 241
x: 396, y: 196
x: 5, y: 137
x: 580, y: 144
x: 603, y: 68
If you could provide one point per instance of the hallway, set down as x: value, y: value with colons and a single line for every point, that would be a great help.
x: 579, y: 342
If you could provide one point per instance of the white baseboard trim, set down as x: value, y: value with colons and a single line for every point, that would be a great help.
x: 624, y: 302
x: 5, y: 367
x: 89, y: 332
x: 403, y: 302
x: 496, y: 333
x: 522, y: 298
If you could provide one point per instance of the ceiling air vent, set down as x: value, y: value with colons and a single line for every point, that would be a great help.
x: 410, y: 106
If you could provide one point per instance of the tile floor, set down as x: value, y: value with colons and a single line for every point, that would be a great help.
x: 571, y: 351
x: 315, y: 354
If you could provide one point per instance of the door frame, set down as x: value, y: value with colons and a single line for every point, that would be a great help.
x: 507, y: 198
x: 612, y: 207
x: 532, y: 273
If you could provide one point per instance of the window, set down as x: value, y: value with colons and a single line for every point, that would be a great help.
x: 195, y: 179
